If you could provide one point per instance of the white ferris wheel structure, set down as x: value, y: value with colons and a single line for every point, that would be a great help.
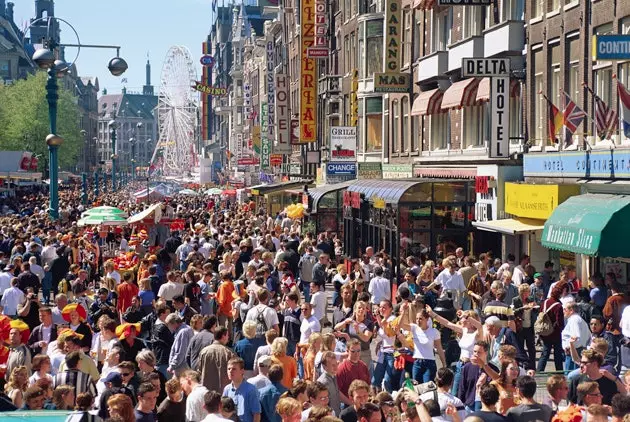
x: 177, y: 114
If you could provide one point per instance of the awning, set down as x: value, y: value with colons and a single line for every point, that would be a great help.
x: 591, y: 224
x: 424, y: 4
x: 427, y: 103
x: 451, y: 173
x: 319, y: 192
x: 511, y: 226
x: 461, y: 94
x: 388, y: 190
x: 154, y: 210
x: 483, y: 91
x: 275, y: 187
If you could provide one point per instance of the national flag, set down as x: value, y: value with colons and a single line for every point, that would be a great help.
x: 605, y: 117
x: 555, y: 122
x: 624, y: 108
x: 573, y: 116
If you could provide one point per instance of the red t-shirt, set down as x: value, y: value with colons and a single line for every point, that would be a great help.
x: 125, y: 292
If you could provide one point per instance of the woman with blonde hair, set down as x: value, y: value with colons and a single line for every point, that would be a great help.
x: 196, y: 323
x: 356, y: 327
x: 120, y: 405
x: 289, y: 409
x: 288, y: 363
x: 227, y: 264
x: 146, y: 295
x: 339, y: 280
x: 63, y: 397
x: 246, y: 347
x: 17, y: 385
x: 314, y: 346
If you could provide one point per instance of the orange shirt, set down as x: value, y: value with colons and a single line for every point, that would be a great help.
x: 289, y: 369
x: 224, y: 298
x: 125, y: 292
x: 309, y: 366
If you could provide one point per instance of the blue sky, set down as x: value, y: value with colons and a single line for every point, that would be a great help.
x: 138, y: 26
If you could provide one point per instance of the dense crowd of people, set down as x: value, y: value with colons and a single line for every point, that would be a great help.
x: 243, y: 316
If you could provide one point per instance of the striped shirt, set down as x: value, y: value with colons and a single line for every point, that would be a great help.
x: 500, y: 310
x: 81, y: 381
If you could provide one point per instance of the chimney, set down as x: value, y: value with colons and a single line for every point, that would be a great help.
x: 2, y: 8
x: 148, y: 70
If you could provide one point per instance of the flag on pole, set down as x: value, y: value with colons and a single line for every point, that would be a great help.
x: 555, y: 122
x: 624, y: 108
x: 573, y: 116
x: 605, y: 117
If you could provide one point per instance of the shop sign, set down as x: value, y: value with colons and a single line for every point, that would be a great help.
x: 536, y: 201
x: 248, y: 161
x: 343, y: 141
x: 354, y: 99
x: 605, y: 164
x: 611, y: 47
x: 256, y: 139
x: 319, y: 177
x: 320, y: 49
x: 283, y: 129
x: 239, y: 146
x: 481, y: 184
x: 378, y: 202
x: 271, y: 93
x: 393, y: 20
x: 207, y: 60
x: 247, y: 100
x: 370, y: 171
x: 397, y: 171
x: 483, y: 211
x: 215, y: 91
x: 341, y: 168
x: 352, y: 199
x: 473, y: 67
x: 391, y: 82
x: 308, y: 76
x: 295, y: 169
x: 295, y: 132
x: 265, y: 141
x: 500, y: 136
x: 275, y: 160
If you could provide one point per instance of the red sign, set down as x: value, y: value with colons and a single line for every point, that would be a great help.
x: 317, y: 52
x: 356, y: 200
x: 346, y: 199
x: 481, y: 184
x: 34, y: 162
x: 275, y: 160
x: 249, y: 161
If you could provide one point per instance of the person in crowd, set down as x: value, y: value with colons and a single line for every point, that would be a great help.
x: 359, y: 393
x: 190, y: 382
x: 270, y: 394
x: 213, y: 361
x: 590, y: 364
x: 243, y: 393
x: 173, y: 407
x: 552, y: 308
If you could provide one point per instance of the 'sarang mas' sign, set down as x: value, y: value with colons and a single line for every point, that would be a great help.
x: 392, y: 80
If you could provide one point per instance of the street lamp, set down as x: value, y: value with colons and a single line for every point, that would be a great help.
x: 45, y: 58
x: 114, y: 156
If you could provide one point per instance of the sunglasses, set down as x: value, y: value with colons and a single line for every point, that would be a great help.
x: 125, y: 374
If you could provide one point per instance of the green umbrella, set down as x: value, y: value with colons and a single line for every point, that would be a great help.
x: 188, y: 192
x: 102, y: 220
x: 106, y: 211
x: 214, y: 191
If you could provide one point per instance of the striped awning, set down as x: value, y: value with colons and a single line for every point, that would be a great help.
x: 427, y: 103
x: 483, y: 91
x: 461, y: 94
x: 424, y: 4
x: 445, y: 172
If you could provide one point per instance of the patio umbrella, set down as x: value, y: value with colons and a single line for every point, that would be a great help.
x: 104, y: 210
x: 102, y: 220
x: 213, y: 191
x: 188, y: 192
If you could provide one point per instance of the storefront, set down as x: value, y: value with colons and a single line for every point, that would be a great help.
x: 408, y: 217
x: 326, y: 207
x: 529, y: 205
x: 274, y: 197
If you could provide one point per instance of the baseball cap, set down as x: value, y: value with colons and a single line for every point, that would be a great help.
x: 264, y: 361
x: 537, y: 275
x: 113, y: 377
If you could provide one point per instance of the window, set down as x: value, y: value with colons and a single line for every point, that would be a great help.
x: 395, y: 126
x: 442, y: 23
x: 415, y: 135
x: 360, y: 129
x: 538, y: 109
x: 353, y: 50
x: 406, y: 37
x: 474, y: 21
x: 439, y: 130
x: 513, y: 10
x: 404, y: 134
x: 346, y: 110
x: 624, y: 77
x: 5, y: 69
x: 553, y: 5
x: 603, y: 86
x: 515, y: 119
x: 555, y: 86
x: 374, y: 126
x: 474, y: 125
x: 373, y: 48
x: 347, y: 10
x: 346, y: 58
x: 419, y: 30
x: 537, y: 8
x: 573, y: 55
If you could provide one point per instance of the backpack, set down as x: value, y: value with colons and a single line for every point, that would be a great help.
x: 261, y: 324
x: 543, y: 325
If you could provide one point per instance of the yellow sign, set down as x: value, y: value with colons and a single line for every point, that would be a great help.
x: 256, y: 138
x: 392, y: 82
x: 536, y: 201
x: 354, y: 100
x: 393, y: 16
x: 254, y: 192
x: 308, y: 76
x: 378, y: 202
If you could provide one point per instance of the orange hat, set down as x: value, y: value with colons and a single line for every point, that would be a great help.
x: 5, y: 326
x: 124, y: 330
x: 65, y: 313
x: 66, y: 333
x: 22, y: 327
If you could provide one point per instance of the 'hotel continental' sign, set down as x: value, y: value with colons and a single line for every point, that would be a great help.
x: 608, y: 164
x: 392, y: 80
x: 308, y: 77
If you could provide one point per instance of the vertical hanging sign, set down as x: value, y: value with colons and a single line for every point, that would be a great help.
x: 499, y: 94
x: 283, y: 127
x: 320, y: 50
x: 247, y: 100
x: 271, y: 94
x: 354, y: 100
x: 265, y: 141
x: 308, y: 76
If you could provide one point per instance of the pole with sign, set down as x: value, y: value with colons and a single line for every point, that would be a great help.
x: 498, y: 71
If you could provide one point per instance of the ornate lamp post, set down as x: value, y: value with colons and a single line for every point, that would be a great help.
x: 45, y: 58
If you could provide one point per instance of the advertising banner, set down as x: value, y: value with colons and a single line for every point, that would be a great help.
x: 283, y: 118
x: 271, y: 94
x: 320, y: 49
x: 265, y: 141
x: 341, y: 168
x: 343, y: 143
x: 397, y: 171
x: 370, y: 171
x: 354, y: 100
x: 392, y: 80
x: 308, y: 76
x: 500, y: 137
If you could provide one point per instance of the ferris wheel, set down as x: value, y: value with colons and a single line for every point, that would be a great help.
x: 177, y: 114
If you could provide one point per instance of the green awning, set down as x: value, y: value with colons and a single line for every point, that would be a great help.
x: 591, y: 225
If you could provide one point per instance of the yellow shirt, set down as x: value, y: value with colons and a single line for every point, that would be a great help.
x: 86, y: 365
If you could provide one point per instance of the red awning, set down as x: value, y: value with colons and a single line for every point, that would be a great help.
x: 424, y: 4
x: 427, y: 103
x: 455, y: 173
x: 461, y: 94
x: 483, y: 91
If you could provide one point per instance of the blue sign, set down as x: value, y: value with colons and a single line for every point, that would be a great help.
x: 612, y: 47
x: 207, y: 60
x: 605, y: 164
x: 341, y: 168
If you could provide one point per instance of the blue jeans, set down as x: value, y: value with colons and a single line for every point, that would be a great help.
x: 163, y: 371
x: 306, y: 289
x: 424, y: 370
x: 458, y: 376
x: 569, y: 365
x: 558, y: 355
x: 385, y: 370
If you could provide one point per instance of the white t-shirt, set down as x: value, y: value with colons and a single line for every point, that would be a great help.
x: 195, y: 410
x: 169, y: 290
x: 115, y: 275
x: 444, y: 399
x: 271, y: 317
x: 215, y: 418
x: 423, y: 341
x: 320, y: 304
x: 380, y: 289
x: 308, y: 327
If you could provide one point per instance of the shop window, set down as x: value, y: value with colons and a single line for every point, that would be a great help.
x: 404, y: 133
x: 440, y: 131
x: 449, y: 216
x: 422, y: 192
x: 474, y: 126
x: 374, y: 123
x: 450, y: 192
x: 395, y: 126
